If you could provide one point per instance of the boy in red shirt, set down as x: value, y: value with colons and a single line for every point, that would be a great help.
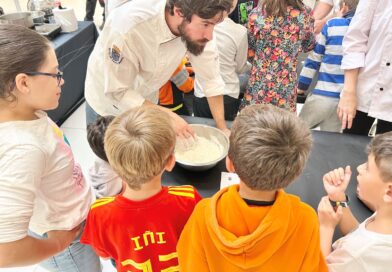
x: 140, y: 228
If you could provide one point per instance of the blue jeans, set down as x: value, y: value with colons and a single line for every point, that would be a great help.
x: 76, y: 257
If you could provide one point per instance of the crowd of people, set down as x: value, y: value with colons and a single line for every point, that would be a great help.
x: 240, y: 57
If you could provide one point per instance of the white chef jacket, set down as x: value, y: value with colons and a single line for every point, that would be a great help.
x: 136, y: 54
x: 367, y: 45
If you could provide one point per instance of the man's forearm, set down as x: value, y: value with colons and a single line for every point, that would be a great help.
x: 350, y: 80
x: 27, y: 251
x: 217, y: 110
x: 322, y: 9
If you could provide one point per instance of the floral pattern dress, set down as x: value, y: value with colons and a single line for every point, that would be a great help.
x: 274, y: 45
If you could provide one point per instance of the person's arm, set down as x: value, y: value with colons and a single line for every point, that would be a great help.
x: 181, y: 127
x: 313, y: 62
x: 320, y: 14
x: 347, y: 107
x: 29, y: 250
x: 322, y: 9
x: 328, y: 219
x: 206, y: 67
x: 19, y: 181
x: 241, y: 57
x: 335, y: 184
x: 354, y: 53
x: 218, y: 111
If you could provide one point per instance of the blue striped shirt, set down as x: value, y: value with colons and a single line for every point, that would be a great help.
x: 326, y: 58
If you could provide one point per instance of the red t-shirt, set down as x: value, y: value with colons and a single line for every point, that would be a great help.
x: 140, y: 235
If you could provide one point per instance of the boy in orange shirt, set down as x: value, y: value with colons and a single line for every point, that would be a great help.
x: 140, y: 228
x: 255, y: 226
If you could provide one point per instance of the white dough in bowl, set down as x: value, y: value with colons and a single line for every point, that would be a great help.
x: 202, y: 151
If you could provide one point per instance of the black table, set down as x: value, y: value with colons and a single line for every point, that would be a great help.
x: 73, y: 50
x: 330, y: 150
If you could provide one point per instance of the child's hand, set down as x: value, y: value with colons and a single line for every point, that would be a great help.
x: 328, y: 217
x: 63, y: 238
x: 336, y: 182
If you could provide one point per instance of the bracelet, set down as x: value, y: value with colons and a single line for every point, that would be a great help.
x: 343, y: 204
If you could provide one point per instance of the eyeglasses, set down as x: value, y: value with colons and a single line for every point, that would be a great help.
x: 58, y: 76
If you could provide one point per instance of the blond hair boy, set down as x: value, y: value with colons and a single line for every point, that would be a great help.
x: 256, y: 226
x: 369, y: 245
x: 140, y: 228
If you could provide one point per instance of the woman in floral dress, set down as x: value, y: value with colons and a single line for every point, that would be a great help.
x: 277, y: 31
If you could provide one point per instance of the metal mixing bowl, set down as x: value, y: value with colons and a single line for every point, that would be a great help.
x: 17, y: 18
x: 207, y: 132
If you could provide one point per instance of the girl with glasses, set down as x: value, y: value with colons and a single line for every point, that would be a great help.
x: 44, y: 197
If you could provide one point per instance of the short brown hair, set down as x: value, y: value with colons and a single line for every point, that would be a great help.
x: 22, y: 50
x: 381, y: 148
x: 352, y: 4
x: 279, y: 7
x: 269, y: 146
x: 96, y: 134
x: 138, y: 144
x: 205, y: 9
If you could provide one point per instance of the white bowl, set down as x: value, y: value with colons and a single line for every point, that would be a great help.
x: 207, y: 132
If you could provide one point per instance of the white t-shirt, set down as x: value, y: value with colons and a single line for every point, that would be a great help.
x: 41, y: 187
x: 362, y: 251
x: 136, y: 54
x: 232, y: 43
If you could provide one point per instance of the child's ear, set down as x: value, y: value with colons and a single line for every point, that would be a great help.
x: 388, y: 193
x: 171, y: 162
x: 229, y: 165
x: 21, y: 83
x: 344, y: 9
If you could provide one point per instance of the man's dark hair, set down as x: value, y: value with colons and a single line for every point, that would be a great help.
x: 205, y: 9
x: 96, y: 135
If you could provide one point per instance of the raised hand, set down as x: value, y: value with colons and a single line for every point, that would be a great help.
x: 336, y: 182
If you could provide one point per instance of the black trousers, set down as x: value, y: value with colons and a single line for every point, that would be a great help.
x: 202, y: 109
x: 362, y: 124
x: 90, y: 10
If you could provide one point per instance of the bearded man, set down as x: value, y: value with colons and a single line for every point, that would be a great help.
x: 140, y: 47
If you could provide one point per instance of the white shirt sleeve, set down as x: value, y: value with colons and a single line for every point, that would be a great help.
x: 121, y: 67
x: 242, y: 55
x: 355, y: 42
x: 22, y: 169
x: 206, y: 67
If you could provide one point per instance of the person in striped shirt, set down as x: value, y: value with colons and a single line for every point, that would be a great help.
x: 320, y: 106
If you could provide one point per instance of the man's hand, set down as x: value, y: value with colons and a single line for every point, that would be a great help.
x: 63, y: 238
x: 300, y: 92
x: 328, y: 217
x: 347, y: 108
x: 336, y: 182
x: 227, y: 132
x: 182, y: 128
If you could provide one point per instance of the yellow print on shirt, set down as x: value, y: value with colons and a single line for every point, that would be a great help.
x: 147, y: 267
x: 148, y: 238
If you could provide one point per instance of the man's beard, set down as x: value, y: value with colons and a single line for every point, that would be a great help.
x: 192, y: 46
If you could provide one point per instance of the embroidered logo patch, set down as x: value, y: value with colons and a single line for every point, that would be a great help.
x: 115, y: 54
